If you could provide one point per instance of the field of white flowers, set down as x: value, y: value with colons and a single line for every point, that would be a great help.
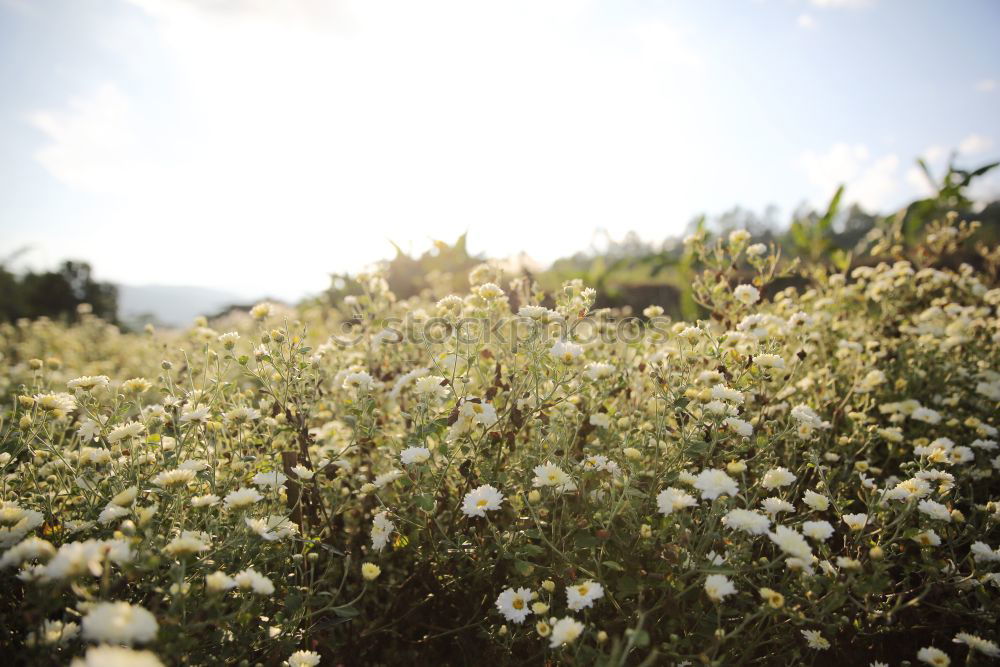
x: 808, y: 476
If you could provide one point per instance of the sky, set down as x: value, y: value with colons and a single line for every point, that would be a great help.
x: 256, y: 146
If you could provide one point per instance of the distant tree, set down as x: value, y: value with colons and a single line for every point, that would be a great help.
x: 55, y: 294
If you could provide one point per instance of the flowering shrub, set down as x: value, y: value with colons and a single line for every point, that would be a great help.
x: 808, y: 473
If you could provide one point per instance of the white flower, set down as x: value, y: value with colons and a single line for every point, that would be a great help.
x: 792, y: 543
x: 769, y: 361
x: 412, y: 455
x: 219, y: 581
x: 815, y: 640
x: 359, y: 380
x: 74, y: 559
x: 195, y: 413
x: 242, y: 497
x: 738, y: 237
x: 549, y: 474
x: 387, y: 477
x: 816, y: 501
x: 984, y: 646
x: 871, y: 381
x: 807, y: 416
x: 672, y: 498
x: 723, y: 393
x: 713, y: 483
x: 747, y: 521
x: 776, y: 505
x: 581, y: 596
x: 302, y: 472
x: 598, y: 371
x: 188, y: 542
x: 935, y: 510
x: 193, y: 464
x: 777, y: 477
x: 817, y: 530
x: 206, y: 500
x: 89, y: 382
x: 480, y: 500
x: 514, y: 604
x: 856, y: 521
x: 125, y: 497
x: 926, y: 415
x: 565, y: 631
x: 746, y: 294
x: 250, y: 579
x: 566, y: 351
x: 717, y: 407
x: 111, y: 513
x: 532, y: 312
x: 271, y: 480
x: 600, y: 419
x: 933, y: 656
x: 599, y: 462
x: 175, y: 477
x: 242, y: 415
x: 489, y: 291
x: 119, y: 623
x: 303, y: 659
x: 718, y: 587
x: 116, y: 656
x: 431, y: 386
x: 273, y: 528
x: 16, y: 522
x: 909, y: 488
x: 928, y: 538
x: 739, y: 426
x: 129, y: 430
x: 983, y: 553
x: 31, y: 548
x: 89, y: 430
x: 382, y: 528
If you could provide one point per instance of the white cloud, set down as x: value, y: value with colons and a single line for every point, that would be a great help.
x: 842, y: 4
x: 403, y: 121
x: 806, y: 21
x: 872, y: 181
x: 91, y: 146
x: 986, y: 85
x: 975, y: 144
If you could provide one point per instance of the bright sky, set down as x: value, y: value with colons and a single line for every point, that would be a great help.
x: 258, y: 145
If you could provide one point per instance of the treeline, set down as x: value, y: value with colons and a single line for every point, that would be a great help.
x: 57, y: 294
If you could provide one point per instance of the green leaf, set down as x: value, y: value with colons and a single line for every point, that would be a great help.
x: 347, y: 611
x: 612, y: 565
x: 426, y: 503
x: 532, y: 550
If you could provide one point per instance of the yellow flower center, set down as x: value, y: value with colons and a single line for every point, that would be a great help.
x: 482, y: 503
x: 518, y: 603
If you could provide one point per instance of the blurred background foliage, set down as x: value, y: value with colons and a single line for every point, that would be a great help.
x: 629, y: 274
x: 55, y: 294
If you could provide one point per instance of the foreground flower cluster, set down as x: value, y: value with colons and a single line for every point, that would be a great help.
x: 805, y: 473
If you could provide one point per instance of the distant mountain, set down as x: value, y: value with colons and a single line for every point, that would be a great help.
x: 170, y: 305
